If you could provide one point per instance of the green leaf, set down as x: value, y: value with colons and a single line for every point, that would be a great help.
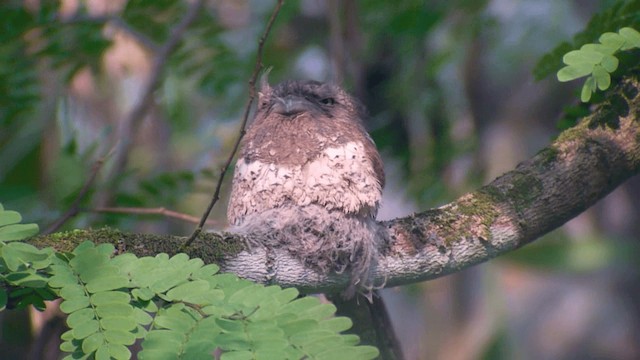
x: 142, y: 317
x: 350, y: 339
x: 68, y: 346
x: 602, y: 78
x: 85, y: 329
x: 264, y: 330
x: 84, y: 246
x: 205, y: 271
x: 9, y: 217
x: 232, y: 341
x: 119, y: 352
x: 102, y: 353
x: 161, y: 344
x: 593, y: 53
x: 114, y: 309
x: 322, y: 343
x: 92, y: 343
x: 569, y: 73
x: 588, y: 88
x: 175, y: 320
x: 106, y: 250
x: 81, y: 316
x: 183, y: 291
x: 299, y: 326
x: 110, y: 297
x: 118, y: 323
x: 165, y: 277
x: 337, y: 324
x: 612, y: 41
x: 69, y: 306
x: 119, y: 337
x: 71, y: 291
x: 631, y: 36
x: 238, y: 355
x: 17, y: 254
x: 67, y: 336
x: 582, y: 58
x: 18, y: 231
x: 62, y: 280
x: 106, y: 283
x: 230, y: 325
x: 348, y: 353
x: 287, y: 295
x: 144, y: 294
x: 610, y: 63
x: 319, y: 312
x: 27, y: 279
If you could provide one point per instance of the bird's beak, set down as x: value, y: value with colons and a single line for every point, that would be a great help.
x: 291, y: 105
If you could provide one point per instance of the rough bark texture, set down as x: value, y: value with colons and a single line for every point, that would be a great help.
x: 583, y: 165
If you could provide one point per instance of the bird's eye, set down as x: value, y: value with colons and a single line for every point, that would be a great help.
x: 328, y: 101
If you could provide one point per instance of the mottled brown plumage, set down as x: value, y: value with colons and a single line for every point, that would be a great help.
x: 309, y: 178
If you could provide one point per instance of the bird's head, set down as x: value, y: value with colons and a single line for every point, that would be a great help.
x: 309, y: 99
x: 298, y: 120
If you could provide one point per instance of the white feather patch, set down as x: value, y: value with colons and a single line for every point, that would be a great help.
x: 340, y: 178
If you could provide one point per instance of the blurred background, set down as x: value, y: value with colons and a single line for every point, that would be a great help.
x: 87, y: 97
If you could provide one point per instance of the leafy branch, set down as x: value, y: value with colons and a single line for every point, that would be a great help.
x: 179, y: 307
x: 597, y: 61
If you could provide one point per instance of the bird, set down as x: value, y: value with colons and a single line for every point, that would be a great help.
x: 309, y: 180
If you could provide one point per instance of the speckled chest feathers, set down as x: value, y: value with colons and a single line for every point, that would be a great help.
x: 309, y: 178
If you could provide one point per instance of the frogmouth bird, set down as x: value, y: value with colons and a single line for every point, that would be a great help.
x: 309, y: 180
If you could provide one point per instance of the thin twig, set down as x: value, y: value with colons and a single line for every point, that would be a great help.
x: 75, y: 206
x: 150, y: 211
x: 131, y: 121
x: 252, y: 95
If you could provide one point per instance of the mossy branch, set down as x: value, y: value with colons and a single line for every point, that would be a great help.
x: 582, y: 166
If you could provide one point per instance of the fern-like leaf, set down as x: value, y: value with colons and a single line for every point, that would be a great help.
x: 597, y: 61
x: 622, y: 13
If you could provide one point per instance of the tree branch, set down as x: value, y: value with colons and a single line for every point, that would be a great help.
x: 150, y: 211
x: 582, y: 166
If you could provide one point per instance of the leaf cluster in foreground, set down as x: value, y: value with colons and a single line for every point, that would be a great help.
x: 177, y: 307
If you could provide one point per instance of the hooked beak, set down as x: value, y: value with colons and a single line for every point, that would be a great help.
x: 291, y: 105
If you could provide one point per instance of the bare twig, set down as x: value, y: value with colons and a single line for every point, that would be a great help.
x: 150, y: 211
x: 252, y: 95
x: 75, y: 206
x: 128, y: 126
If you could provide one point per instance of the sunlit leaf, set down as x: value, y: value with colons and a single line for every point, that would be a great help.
x: 631, y: 36
x: 18, y: 231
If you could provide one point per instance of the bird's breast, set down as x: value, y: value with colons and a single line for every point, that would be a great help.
x: 340, y: 177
